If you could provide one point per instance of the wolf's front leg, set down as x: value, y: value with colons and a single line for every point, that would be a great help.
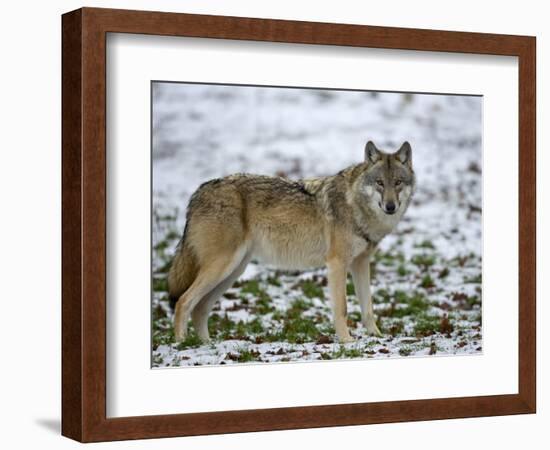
x: 337, y: 285
x: 360, y: 272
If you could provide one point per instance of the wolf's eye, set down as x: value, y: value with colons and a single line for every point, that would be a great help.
x: 398, y: 182
x: 380, y: 182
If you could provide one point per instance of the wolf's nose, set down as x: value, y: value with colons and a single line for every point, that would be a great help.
x: 390, y: 207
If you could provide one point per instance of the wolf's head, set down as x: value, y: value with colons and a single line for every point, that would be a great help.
x: 388, y: 181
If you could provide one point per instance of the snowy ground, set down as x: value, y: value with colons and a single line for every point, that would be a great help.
x: 426, y: 276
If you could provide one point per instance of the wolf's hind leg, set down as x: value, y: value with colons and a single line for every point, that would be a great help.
x: 337, y: 285
x: 360, y: 272
x: 201, y: 312
x: 208, y: 278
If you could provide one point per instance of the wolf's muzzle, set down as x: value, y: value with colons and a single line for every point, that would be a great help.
x: 390, y: 208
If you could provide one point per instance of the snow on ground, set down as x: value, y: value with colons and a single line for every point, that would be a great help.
x: 426, y: 276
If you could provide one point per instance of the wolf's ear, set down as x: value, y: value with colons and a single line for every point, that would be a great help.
x: 372, y: 154
x: 404, y: 154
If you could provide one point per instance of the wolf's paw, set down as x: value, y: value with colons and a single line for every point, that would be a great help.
x: 205, y: 339
x: 180, y: 335
x: 372, y: 329
x: 346, y: 339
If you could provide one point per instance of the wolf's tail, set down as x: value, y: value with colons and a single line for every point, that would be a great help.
x: 183, y: 270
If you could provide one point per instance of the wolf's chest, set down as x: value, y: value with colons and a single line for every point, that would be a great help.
x: 358, y: 245
x: 377, y: 229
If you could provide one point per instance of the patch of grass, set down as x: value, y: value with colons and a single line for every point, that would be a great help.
x: 423, y: 261
x: 381, y: 296
x: 162, y: 336
x: 158, y: 313
x: 172, y: 235
x: 474, y: 300
x: 427, y: 325
x: 460, y: 261
x: 247, y: 355
x: 426, y: 244
x: 166, y: 217
x: 161, y: 246
x: 341, y: 351
x: 402, y: 270
x: 444, y: 273
x: 311, y: 289
x: 192, y: 340
x: 251, y: 287
x: 415, y: 304
x: 477, y: 318
x: 353, y: 353
x: 274, y: 281
x: 405, y: 350
x: 222, y: 327
x: 326, y: 328
x: 296, y: 327
x: 344, y: 352
x: 252, y: 327
x: 263, y: 304
x: 427, y: 282
x: 160, y: 284
x: 350, y: 289
x: 299, y: 306
x: 300, y: 330
x: 475, y: 279
x: 389, y: 258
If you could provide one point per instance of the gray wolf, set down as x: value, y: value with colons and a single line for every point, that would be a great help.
x: 334, y: 221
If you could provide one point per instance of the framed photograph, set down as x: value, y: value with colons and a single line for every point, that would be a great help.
x: 275, y: 225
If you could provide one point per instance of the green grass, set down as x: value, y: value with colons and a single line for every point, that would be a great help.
x: 426, y: 325
x: 311, y: 289
x: 161, y: 246
x: 475, y: 279
x: 192, y: 340
x: 426, y: 244
x: 382, y: 296
x: 251, y: 287
x: 162, y: 336
x: 160, y: 284
x: 342, y: 352
x: 246, y: 355
x: 389, y: 258
x: 427, y: 282
x: 410, y: 305
x: 423, y: 261
x: 402, y: 270
x: 274, y: 281
x: 296, y: 327
x: 262, y: 304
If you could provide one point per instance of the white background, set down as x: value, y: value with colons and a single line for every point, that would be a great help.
x: 30, y: 388
x: 135, y: 390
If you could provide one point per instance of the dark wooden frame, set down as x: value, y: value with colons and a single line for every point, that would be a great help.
x: 84, y: 233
